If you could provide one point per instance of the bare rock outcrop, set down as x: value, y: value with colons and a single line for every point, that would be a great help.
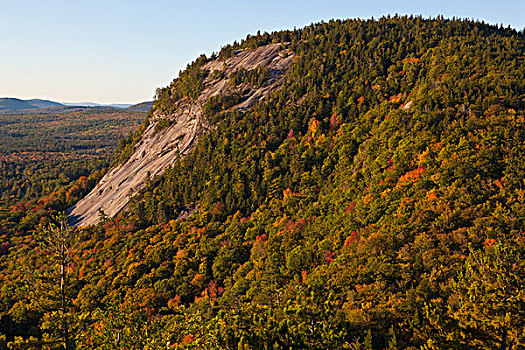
x: 159, y: 149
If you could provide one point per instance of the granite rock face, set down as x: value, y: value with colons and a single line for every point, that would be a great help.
x: 159, y: 149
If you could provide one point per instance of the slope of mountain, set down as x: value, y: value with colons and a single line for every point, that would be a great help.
x: 181, y: 127
x: 348, y: 185
x: 141, y: 107
x: 8, y: 103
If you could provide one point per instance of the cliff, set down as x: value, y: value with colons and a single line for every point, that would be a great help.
x: 160, y: 147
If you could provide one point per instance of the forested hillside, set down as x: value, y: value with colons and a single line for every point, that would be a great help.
x: 375, y: 200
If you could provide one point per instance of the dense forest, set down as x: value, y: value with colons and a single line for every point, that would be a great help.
x: 375, y: 201
x: 41, y: 153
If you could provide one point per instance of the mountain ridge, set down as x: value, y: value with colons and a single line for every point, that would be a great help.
x: 11, y: 104
x: 95, y: 104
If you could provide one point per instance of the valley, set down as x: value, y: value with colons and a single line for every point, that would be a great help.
x: 40, y: 153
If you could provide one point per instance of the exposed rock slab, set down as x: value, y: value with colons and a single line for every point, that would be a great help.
x: 158, y: 150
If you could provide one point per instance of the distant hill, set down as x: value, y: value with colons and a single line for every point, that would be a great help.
x: 94, y: 104
x: 81, y: 104
x: 14, y: 104
x: 38, y: 103
x: 141, y: 107
x: 10, y: 104
x: 118, y: 105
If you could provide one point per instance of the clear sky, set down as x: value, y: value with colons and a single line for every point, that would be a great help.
x: 116, y: 51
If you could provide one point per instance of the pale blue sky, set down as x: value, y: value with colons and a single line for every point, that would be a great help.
x: 121, y: 51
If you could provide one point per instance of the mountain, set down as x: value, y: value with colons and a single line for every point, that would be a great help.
x: 8, y: 103
x: 141, y: 107
x: 93, y: 104
x: 33, y: 105
x: 15, y: 104
x: 38, y: 103
x: 352, y: 184
x: 81, y: 104
x: 119, y: 105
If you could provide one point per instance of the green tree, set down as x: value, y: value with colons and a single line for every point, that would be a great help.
x: 486, y: 307
x: 120, y: 326
x: 488, y: 298
x: 51, y: 285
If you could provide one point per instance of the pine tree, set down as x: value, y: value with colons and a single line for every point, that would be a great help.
x: 51, y: 285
